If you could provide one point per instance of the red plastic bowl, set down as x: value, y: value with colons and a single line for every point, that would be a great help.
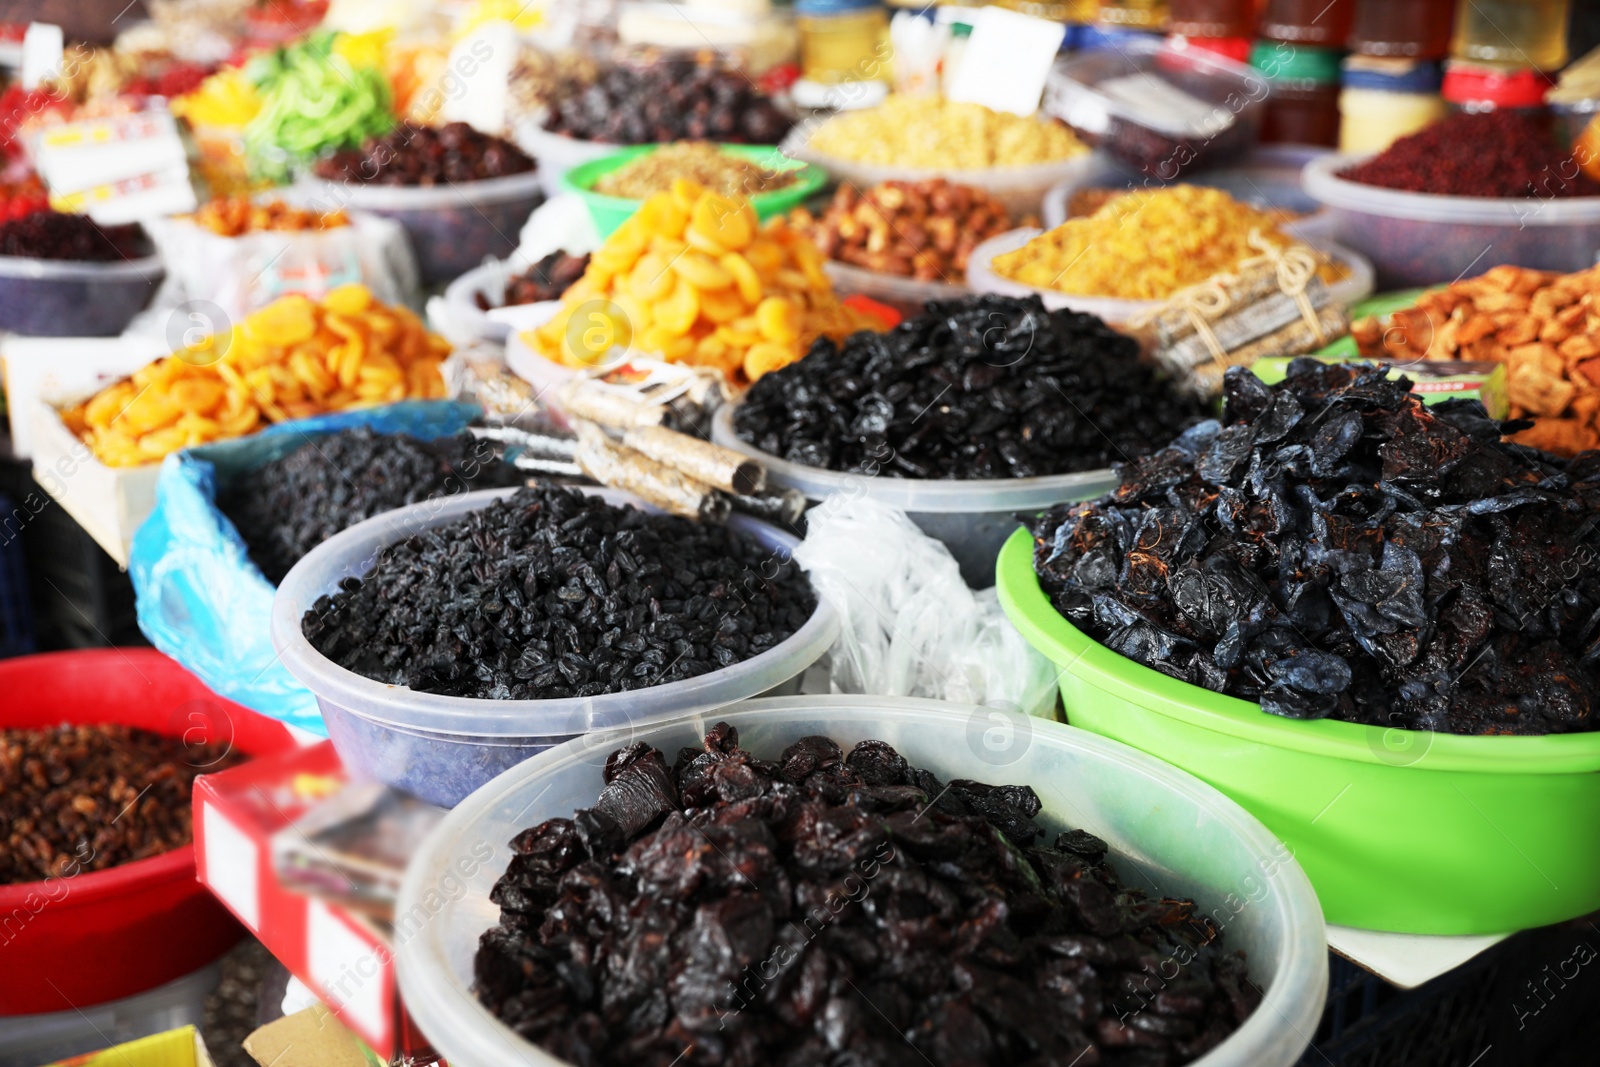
x: 70, y: 942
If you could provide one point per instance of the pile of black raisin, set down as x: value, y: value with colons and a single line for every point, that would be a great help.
x: 982, y: 387
x: 415, y: 155
x: 669, y: 99
x: 1333, y: 548
x: 842, y: 910
x: 554, y: 593
x: 285, y: 508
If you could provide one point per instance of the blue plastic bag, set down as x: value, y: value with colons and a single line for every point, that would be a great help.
x: 199, y: 597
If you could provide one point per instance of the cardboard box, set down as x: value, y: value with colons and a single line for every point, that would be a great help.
x: 183, y: 1047
x: 108, y: 502
x: 309, y: 1038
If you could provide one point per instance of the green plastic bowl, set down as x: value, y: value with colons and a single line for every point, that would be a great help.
x: 1398, y: 830
x: 609, y: 212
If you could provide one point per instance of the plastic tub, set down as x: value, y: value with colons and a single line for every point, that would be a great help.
x: 556, y: 152
x: 498, y: 323
x: 452, y: 228
x: 609, y: 212
x: 1020, y: 189
x: 1356, y: 284
x: 906, y: 295
x: 1267, y: 178
x: 143, y: 923
x: 1399, y: 830
x: 1225, y: 125
x: 1176, y: 833
x: 441, y: 748
x: 63, y: 298
x: 29, y: 1040
x: 1417, y: 239
x: 972, y: 517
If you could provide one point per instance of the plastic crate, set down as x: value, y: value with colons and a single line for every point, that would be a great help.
x: 1370, y: 1023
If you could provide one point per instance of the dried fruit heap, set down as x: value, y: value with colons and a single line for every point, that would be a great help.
x: 840, y: 909
x: 1335, y: 549
x: 985, y: 387
x: 553, y: 593
x: 424, y: 155
x: 84, y: 798
x: 1496, y: 153
x: 287, y: 507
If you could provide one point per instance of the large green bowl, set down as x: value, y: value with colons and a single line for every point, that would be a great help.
x: 1398, y: 830
x: 609, y: 212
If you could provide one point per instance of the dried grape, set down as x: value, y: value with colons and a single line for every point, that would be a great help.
x: 285, y: 508
x: 552, y: 593
x: 983, y: 387
x: 841, y: 909
x: 1334, y: 549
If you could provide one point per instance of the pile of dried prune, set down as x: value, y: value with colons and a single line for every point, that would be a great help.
x: 842, y: 910
x: 54, y: 235
x: 982, y: 387
x: 669, y: 99
x: 426, y: 155
x: 554, y: 593
x: 285, y: 508
x: 1334, y: 549
x: 545, y: 280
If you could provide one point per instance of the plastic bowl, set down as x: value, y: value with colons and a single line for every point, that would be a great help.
x: 1169, y: 833
x: 104, y: 935
x: 63, y: 298
x: 1417, y: 239
x: 1020, y: 189
x: 452, y: 228
x: 556, y: 152
x: 972, y: 517
x: 1355, y: 285
x: 1267, y: 178
x: 1399, y: 830
x: 498, y: 323
x: 906, y: 295
x: 441, y: 748
x: 1159, y: 143
x: 609, y: 212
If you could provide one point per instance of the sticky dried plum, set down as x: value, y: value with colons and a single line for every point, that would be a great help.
x: 552, y: 593
x: 841, y: 909
x: 285, y: 508
x: 1335, y: 549
x: 983, y: 387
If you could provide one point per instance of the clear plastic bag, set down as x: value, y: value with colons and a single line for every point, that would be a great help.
x: 910, y: 625
x: 198, y: 596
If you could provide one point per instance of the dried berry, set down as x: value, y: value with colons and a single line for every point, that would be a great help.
x: 838, y: 909
x: 84, y: 798
x: 285, y: 508
x: 53, y: 235
x: 554, y: 593
x: 425, y: 155
x: 1499, y: 153
x: 984, y: 387
x: 1334, y: 549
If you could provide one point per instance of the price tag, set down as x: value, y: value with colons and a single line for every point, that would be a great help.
x: 1007, y: 60
x: 475, y: 82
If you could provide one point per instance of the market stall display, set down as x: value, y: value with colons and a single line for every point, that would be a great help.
x: 65, y: 275
x: 439, y: 745
x: 1194, y: 845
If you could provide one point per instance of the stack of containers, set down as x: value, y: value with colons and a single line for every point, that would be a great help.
x: 1501, y: 52
x: 1220, y: 26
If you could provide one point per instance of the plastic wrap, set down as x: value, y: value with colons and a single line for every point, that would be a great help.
x: 909, y: 625
x: 199, y: 597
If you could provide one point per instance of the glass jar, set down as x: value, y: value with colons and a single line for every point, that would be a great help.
x: 1404, y: 29
x: 843, y: 40
x: 1303, y: 107
x: 1211, y: 18
x: 1517, y: 33
x: 1133, y: 14
x: 1319, y: 23
x: 1383, y: 100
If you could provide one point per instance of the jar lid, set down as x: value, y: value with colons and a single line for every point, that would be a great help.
x: 832, y: 7
x: 1519, y: 87
x: 1104, y: 38
x: 1234, y: 48
x: 1280, y: 62
x: 1391, y: 76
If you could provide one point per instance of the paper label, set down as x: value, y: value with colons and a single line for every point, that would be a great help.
x: 1006, y: 61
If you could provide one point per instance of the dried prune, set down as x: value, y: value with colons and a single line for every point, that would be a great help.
x: 672, y: 98
x: 1334, y: 549
x: 545, y: 280
x: 552, y: 593
x: 426, y: 155
x: 982, y: 387
x: 285, y: 508
x: 841, y: 909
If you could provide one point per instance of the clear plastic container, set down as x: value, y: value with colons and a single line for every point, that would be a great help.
x: 1167, y: 831
x: 1160, y: 110
x: 1020, y: 189
x: 63, y: 298
x: 500, y: 322
x: 29, y: 1040
x: 1355, y: 285
x: 452, y: 228
x: 906, y: 295
x: 556, y: 152
x: 441, y: 748
x: 1416, y: 239
x: 972, y: 517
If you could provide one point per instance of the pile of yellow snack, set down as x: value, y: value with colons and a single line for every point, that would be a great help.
x: 1144, y: 245
x: 292, y: 359
x: 693, y: 278
x: 932, y: 132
